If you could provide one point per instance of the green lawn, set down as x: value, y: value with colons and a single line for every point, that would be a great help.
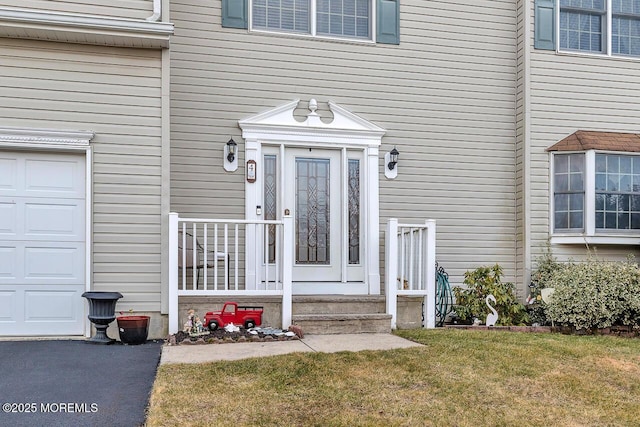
x: 459, y: 378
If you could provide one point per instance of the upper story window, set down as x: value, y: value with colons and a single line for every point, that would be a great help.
x: 333, y: 18
x: 596, y: 186
x: 582, y: 24
x: 609, y: 27
x: 353, y: 20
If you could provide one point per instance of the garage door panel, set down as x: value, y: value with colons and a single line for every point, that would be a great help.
x: 8, y: 173
x: 8, y: 217
x: 8, y: 263
x: 61, y: 177
x: 42, y: 262
x: 54, y: 220
x: 42, y: 305
x: 32, y: 218
x: 42, y: 243
x: 8, y: 306
x: 54, y: 264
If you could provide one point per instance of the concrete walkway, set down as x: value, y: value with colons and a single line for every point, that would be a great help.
x: 310, y: 343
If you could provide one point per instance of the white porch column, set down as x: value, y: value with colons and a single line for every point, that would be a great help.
x: 173, y: 273
x: 253, y: 197
x: 372, y: 240
x: 430, y: 298
x: 391, y: 270
x: 287, y: 271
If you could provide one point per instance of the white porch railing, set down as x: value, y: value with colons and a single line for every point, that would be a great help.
x: 410, y: 266
x: 205, y: 254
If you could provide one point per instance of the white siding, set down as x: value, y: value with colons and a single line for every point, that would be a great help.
x: 446, y: 95
x: 115, y: 93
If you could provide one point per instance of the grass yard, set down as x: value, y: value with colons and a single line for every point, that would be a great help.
x: 459, y: 378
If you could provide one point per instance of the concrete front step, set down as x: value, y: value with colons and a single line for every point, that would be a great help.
x: 338, y: 304
x: 344, y: 323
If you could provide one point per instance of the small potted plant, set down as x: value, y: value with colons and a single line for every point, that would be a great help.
x: 133, y: 329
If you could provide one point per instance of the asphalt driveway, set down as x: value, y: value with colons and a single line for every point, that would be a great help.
x: 74, y: 383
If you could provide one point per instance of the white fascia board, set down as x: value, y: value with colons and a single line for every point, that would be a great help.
x: 26, y: 137
x: 86, y: 29
x: 329, y: 137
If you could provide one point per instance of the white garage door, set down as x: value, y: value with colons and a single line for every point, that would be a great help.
x: 42, y: 243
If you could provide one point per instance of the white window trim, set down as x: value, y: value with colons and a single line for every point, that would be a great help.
x: 589, y: 235
x: 607, y: 42
x: 313, y: 33
x: 278, y: 127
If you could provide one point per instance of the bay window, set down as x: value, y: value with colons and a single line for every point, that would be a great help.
x: 596, y: 194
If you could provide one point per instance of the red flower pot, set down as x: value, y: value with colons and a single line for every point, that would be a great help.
x: 133, y: 329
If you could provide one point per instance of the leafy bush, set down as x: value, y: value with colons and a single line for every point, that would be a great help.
x: 470, y: 302
x: 595, y: 294
x: 547, y: 266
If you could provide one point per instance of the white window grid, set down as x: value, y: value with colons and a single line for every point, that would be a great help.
x: 590, y: 192
x: 296, y: 27
x: 601, y: 27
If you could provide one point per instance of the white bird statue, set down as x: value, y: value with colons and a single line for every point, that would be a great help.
x: 493, y: 317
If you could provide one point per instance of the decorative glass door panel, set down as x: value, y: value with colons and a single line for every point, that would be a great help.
x: 312, y: 189
x: 313, y: 211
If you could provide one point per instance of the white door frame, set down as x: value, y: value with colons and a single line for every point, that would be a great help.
x: 347, y: 131
x: 66, y: 141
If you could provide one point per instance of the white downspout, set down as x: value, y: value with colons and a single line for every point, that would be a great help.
x: 157, y: 11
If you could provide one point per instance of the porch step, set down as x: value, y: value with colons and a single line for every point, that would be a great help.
x: 343, y: 323
x: 338, y: 304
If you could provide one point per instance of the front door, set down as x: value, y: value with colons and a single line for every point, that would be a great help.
x: 321, y: 190
x: 312, y: 193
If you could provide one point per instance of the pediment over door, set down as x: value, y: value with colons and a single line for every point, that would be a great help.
x: 280, y: 124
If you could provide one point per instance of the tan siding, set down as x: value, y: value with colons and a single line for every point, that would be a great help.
x: 115, y: 93
x: 446, y: 96
x: 572, y: 92
x: 135, y: 9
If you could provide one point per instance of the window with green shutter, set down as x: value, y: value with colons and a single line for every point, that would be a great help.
x: 340, y: 19
x: 605, y: 27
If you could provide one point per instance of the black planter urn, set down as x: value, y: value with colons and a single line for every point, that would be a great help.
x: 102, y: 311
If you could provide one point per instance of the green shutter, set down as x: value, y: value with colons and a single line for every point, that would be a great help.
x: 234, y: 13
x: 388, y: 22
x: 545, y: 25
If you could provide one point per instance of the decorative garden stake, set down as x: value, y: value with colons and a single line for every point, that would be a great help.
x: 493, y: 317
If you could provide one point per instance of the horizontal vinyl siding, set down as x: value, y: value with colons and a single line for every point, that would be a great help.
x: 445, y: 95
x: 570, y: 93
x: 135, y: 9
x: 115, y: 93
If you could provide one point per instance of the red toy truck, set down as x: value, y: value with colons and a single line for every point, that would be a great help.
x: 232, y: 313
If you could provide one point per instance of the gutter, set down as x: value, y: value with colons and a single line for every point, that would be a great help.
x: 157, y: 11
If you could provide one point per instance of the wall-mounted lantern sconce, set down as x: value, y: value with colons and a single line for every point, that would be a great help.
x: 391, y: 164
x: 230, y: 158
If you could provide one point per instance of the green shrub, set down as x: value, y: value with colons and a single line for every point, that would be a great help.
x: 595, y: 294
x: 546, y: 267
x: 470, y: 302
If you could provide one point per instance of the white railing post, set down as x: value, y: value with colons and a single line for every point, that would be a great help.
x: 173, y: 272
x: 430, y: 298
x: 391, y: 269
x: 287, y: 270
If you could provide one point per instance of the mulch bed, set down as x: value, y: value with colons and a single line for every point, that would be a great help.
x: 221, y: 336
